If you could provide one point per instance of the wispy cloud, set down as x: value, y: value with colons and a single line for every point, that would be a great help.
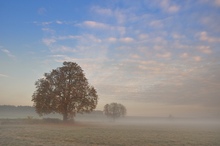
x: 205, y: 49
x: 168, y: 7
x: 59, y: 22
x: 120, y: 15
x: 68, y: 37
x: 204, y: 37
x: 217, y: 2
x: 184, y: 55
x: 94, y: 24
x: 49, y: 30
x: 102, y: 11
x: 49, y: 41
x: 166, y: 55
x: 3, y: 75
x: 8, y: 53
x: 112, y: 39
x: 177, y: 36
x: 62, y: 48
x: 156, y: 23
x: 56, y: 22
x: 127, y: 40
x: 197, y: 58
x: 45, y: 23
x: 143, y: 36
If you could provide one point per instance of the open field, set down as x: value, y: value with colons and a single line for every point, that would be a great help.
x: 116, y: 134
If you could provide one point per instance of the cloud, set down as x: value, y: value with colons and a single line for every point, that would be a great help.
x: 159, y: 40
x: 168, y: 7
x: 94, y: 24
x: 112, y: 39
x: 81, y: 45
x: 143, y: 36
x: 135, y: 56
x: 119, y: 15
x: 184, y: 55
x: 204, y: 37
x: 59, y: 22
x: 102, y: 11
x: 127, y: 40
x: 173, y: 9
x: 120, y: 29
x: 156, y: 23
x: 211, y: 22
x: 67, y: 37
x: 2, y: 75
x: 8, y: 53
x: 157, y: 47
x: 90, y: 38
x: 55, y: 44
x: 177, y: 36
x: 63, y: 48
x: 205, y: 49
x: 136, y: 79
x: 166, y: 55
x: 197, y: 58
x: 166, y: 83
x: 48, y: 30
x: 45, y: 23
x: 49, y: 41
x: 217, y: 2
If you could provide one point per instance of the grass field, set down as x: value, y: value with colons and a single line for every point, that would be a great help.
x: 116, y: 134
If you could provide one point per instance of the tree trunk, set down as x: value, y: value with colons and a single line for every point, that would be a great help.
x: 65, y: 118
x: 65, y: 113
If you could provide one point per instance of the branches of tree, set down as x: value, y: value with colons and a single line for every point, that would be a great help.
x: 66, y: 91
x: 115, y: 110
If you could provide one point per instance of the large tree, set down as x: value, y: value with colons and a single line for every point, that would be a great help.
x: 114, y: 110
x: 66, y: 91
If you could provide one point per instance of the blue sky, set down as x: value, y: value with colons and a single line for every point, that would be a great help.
x: 156, y: 57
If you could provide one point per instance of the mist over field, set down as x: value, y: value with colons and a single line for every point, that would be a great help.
x: 22, y: 126
x: 97, y: 116
x: 98, y: 130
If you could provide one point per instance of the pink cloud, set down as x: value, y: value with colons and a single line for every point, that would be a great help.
x: 165, y: 55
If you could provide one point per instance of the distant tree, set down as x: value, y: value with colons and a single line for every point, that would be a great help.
x: 66, y: 91
x: 114, y: 110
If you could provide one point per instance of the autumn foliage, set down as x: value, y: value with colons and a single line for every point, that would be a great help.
x: 66, y: 91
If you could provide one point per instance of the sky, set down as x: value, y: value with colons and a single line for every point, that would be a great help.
x: 157, y: 57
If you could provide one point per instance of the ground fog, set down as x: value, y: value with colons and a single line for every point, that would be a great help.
x: 107, y: 133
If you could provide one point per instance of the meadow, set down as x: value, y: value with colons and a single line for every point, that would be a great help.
x: 109, y: 134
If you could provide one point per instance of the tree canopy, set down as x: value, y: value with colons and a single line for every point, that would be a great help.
x: 66, y: 91
x: 115, y: 110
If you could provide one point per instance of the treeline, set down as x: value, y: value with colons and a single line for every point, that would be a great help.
x: 8, y: 108
x: 11, y: 111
